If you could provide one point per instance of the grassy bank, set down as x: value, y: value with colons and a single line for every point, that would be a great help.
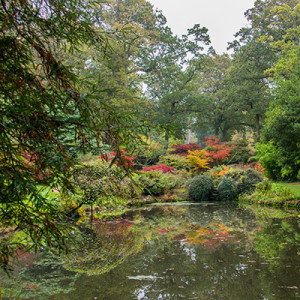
x: 275, y: 194
x: 293, y: 187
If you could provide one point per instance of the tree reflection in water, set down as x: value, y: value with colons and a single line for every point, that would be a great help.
x: 215, y: 251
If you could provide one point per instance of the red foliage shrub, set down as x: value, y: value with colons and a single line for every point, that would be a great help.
x: 185, y: 148
x: 211, y: 141
x: 123, y: 161
x: 162, y: 167
x: 216, y: 150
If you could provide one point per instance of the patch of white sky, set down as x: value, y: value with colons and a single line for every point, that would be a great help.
x: 222, y: 18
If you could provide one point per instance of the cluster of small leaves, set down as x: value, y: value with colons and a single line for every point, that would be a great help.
x: 150, y: 153
x: 184, y: 149
x: 217, y: 151
x: 259, y: 168
x: 219, y: 171
x: 198, y: 159
x: 163, y: 168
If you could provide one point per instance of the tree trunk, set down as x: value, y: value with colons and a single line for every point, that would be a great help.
x: 189, y: 136
x: 257, y: 126
x: 166, y: 141
x: 217, y: 131
x: 224, y: 134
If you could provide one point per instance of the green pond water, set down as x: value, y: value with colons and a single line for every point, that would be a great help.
x: 177, y: 251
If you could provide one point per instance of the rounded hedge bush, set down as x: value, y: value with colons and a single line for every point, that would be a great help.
x: 248, y: 181
x: 227, y: 189
x: 244, y: 179
x: 201, y: 188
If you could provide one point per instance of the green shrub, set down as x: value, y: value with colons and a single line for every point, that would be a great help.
x: 270, y: 158
x: 235, y: 174
x: 150, y: 153
x: 217, y: 173
x: 183, y: 175
x: 157, y: 183
x: 249, y: 181
x: 240, y: 153
x: 150, y: 182
x: 88, y: 157
x: 201, y: 188
x: 264, y: 186
x: 227, y: 189
x: 176, y: 161
x: 98, y: 178
x: 245, y: 180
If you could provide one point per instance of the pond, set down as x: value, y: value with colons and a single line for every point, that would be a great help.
x: 176, y: 251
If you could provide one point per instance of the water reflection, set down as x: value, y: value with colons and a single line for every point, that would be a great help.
x: 98, y: 250
x: 217, y: 251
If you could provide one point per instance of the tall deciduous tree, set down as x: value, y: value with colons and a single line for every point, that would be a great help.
x: 115, y: 76
x: 254, y: 55
x: 172, y: 64
x: 248, y: 84
x: 282, y: 127
x: 214, y: 111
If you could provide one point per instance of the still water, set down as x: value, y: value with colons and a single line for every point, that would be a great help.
x: 177, y: 251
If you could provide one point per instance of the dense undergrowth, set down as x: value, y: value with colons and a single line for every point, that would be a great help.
x: 188, y: 172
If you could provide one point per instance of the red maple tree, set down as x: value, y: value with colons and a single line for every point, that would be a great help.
x: 216, y: 150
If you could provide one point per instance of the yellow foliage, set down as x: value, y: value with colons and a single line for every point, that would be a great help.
x: 198, y: 159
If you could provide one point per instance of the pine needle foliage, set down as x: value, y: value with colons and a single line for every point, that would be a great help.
x: 40, y: 98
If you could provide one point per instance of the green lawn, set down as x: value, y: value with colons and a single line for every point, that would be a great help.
x: 293, y: 187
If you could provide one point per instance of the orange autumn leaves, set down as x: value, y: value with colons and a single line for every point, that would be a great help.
x: 211, y: 236
x: 213, y: 155
x: 220, y: 172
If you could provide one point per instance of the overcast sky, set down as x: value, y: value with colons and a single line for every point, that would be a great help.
x: 223, y: 18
